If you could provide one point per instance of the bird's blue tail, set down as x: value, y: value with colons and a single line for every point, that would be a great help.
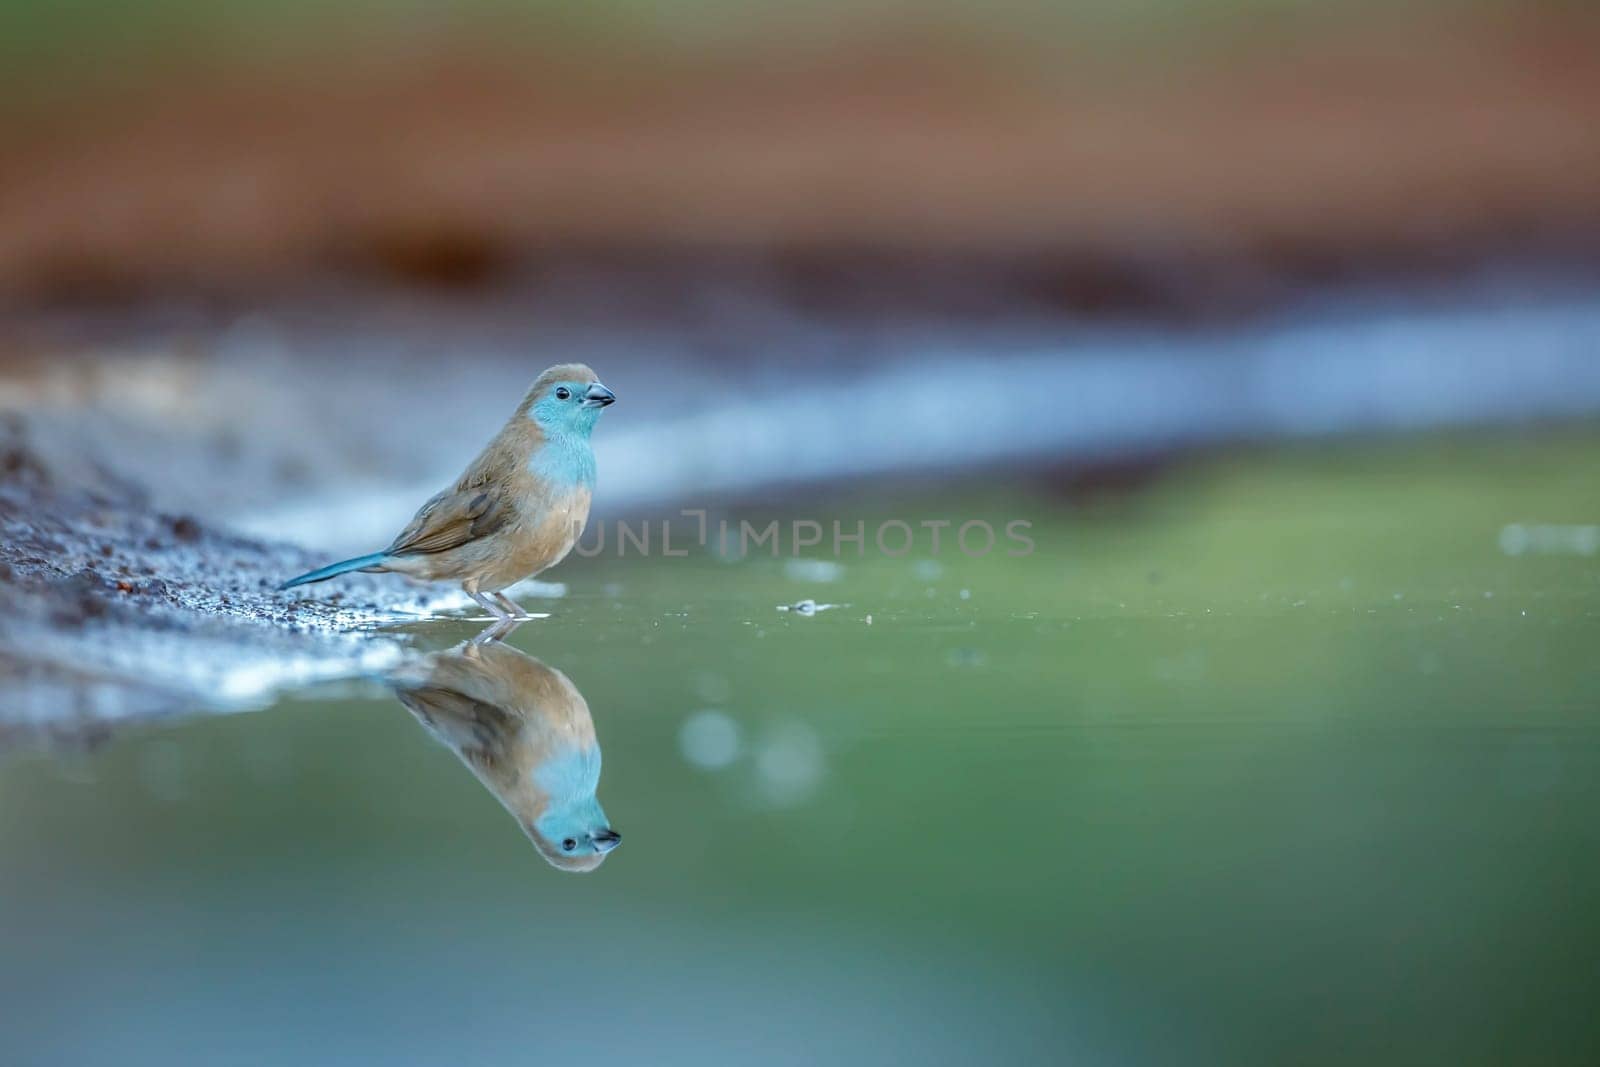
x: 333, y: 570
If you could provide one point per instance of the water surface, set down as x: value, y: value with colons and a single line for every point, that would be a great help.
x: 1288, y: 757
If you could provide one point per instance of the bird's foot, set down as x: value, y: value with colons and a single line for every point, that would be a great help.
x: 488, y: 603
x: 511, y: 607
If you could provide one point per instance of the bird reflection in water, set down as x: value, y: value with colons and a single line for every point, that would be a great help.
x: 525, y: 732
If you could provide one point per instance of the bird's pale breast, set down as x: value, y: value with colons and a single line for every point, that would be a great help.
x: 541, y: 538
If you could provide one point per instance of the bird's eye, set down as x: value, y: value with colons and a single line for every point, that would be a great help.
x: 569, y: 844
x: 563, y: 393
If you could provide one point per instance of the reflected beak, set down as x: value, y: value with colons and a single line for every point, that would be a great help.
x: 598, y: 396
x: 606, y: 839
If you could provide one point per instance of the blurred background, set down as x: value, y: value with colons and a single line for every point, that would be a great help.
x: 1279, y: 321
x: 1177, y: 222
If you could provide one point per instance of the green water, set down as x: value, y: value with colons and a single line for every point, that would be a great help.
x: 1281, y: 759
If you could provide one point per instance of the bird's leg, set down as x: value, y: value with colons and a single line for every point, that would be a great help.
x: 483, y: 600
x: 516, y: 610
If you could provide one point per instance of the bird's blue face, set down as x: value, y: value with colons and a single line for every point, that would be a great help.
x: 569, y: 409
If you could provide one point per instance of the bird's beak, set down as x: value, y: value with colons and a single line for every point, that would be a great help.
x: 606, y: 839
x: 598, y: 396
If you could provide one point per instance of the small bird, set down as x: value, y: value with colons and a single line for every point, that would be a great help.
x: 525, y: 732
x: 516, y: 510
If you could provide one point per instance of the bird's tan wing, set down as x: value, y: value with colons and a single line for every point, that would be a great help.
x: 473, y: 727
x: 452, y: 519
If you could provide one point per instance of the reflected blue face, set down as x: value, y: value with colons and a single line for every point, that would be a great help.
x: 571, y: 408
x: 579, y: 830
x: 574, y: 824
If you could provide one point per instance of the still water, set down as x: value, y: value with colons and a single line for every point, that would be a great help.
x: 1283, y: 758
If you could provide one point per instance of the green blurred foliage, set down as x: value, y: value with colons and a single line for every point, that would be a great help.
x: 40, y: 35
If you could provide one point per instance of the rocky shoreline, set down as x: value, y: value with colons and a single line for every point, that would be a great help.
x: 112, y: 611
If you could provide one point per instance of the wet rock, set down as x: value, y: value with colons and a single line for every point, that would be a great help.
x: 173, y: 603
x: 31, y: 539
x: 79, y: 598
x: 19, y: 464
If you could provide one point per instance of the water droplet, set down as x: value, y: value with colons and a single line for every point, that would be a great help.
x: 709, y: 740
x: 790, y: 764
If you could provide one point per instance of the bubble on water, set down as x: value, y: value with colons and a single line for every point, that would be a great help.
x: 966, y: 594
x: 808, y: 607
x: 710, y: 740
x: 790, y: 765
x: 928, y: 570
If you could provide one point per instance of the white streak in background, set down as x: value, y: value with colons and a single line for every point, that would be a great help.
x: 813, y: 570
x: 1520, y: 539
x: 958, y: 399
